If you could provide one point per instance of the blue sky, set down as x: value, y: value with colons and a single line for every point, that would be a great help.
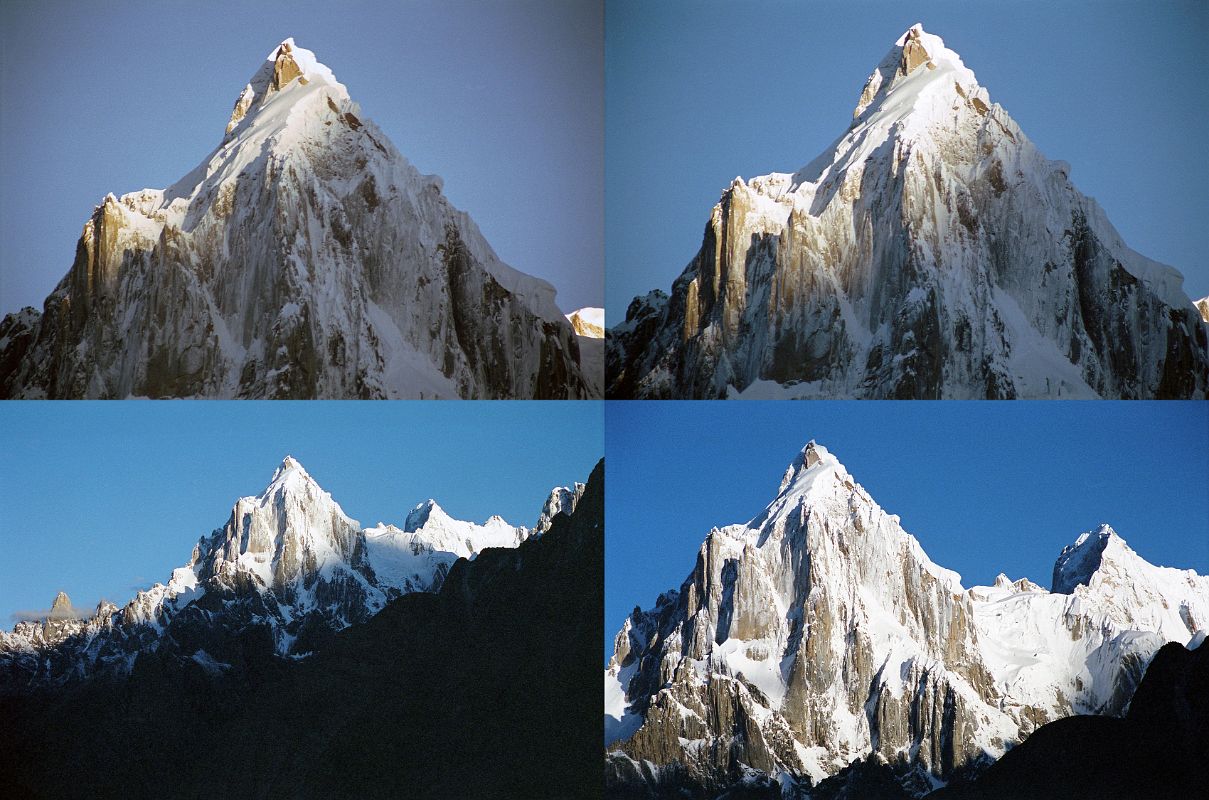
x: 697, y: 93
x: 502, y: 99
x: 985, y: 487
x: 100, y: 499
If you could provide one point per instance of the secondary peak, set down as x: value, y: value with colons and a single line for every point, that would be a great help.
x: 421, y: 514
x: 1079, y: 561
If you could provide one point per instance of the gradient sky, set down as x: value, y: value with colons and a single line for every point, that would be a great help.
x: 502, y: 99
x: 700, y: 92
x: 985, y: 487
x: 101, y: 499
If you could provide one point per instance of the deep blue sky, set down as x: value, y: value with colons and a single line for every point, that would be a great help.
x: 502, y: 99
x: 985, y: 487
x: 100, y: 499
x: 697, y: 93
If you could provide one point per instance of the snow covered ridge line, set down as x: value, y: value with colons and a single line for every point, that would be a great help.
x: 288, y: 561
x: 930, y: 252
x: 305, y: 257
x: 820, y: 633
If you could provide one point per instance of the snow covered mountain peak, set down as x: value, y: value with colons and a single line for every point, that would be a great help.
x: 289, y: 465
x: 821, y: 632
x: 460, y: 537
x: 1100, y: 568
x: 304, y: 257
x: 917, y: 68
x: 285, y: 538
x: 419, y: 516
x: 813, y: 461
x: 1078, y: 562
x: 290, y: 479
x: 286, y: 62
x: 930, y: 251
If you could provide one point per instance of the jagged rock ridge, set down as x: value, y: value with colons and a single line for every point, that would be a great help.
x: 303, y: 258
x: 930, y: 252
x: 819, y: 634
x: 288, y: 563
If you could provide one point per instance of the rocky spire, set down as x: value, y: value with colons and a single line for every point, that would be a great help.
x: 242, y: 104
x: 61, y: 608
x: 914, y: 52
x: 285, y: 68
x: 562, y: 500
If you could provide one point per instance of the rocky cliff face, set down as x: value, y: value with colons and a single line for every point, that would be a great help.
x: 304, y: 258
x: 931, y: 252
x: 820, y: 633
x: 288, y: 567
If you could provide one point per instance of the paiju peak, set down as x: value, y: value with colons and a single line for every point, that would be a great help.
x: 305, y: 257
x: 930, y: 252
x: 819, y: 633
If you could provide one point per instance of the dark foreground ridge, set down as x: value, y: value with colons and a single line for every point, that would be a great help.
x: 1159, y: 751
x: 489, y: 688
